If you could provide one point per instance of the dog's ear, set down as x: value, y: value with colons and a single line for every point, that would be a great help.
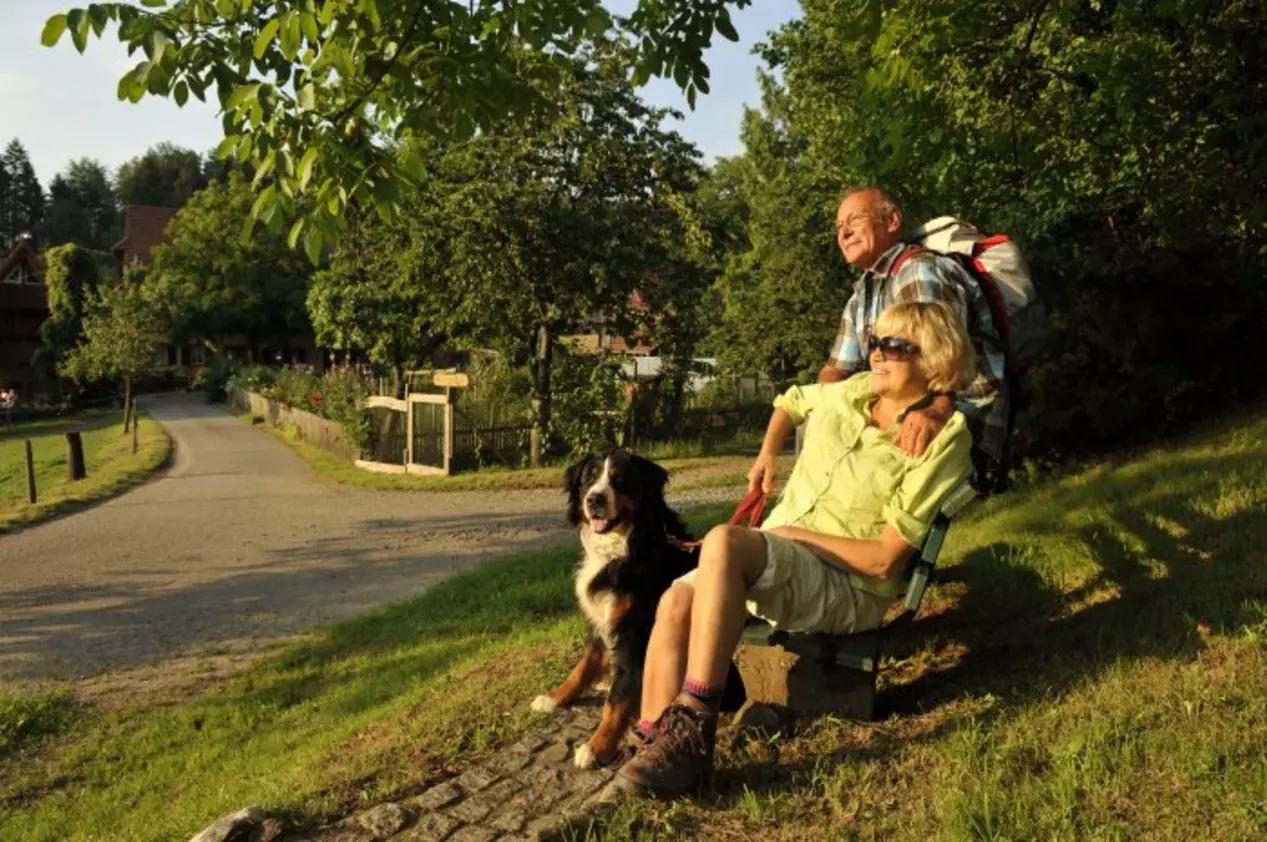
x: 653, y: 477
x: 572, y: 486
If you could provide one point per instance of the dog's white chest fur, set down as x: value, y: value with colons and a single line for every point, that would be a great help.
x: 600, y: 550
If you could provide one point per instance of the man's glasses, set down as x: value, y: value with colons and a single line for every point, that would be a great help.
x: 892, y: 348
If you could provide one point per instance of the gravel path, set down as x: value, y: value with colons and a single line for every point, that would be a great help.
x: 237, y: 544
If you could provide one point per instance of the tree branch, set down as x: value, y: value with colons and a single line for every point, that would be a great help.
x: 359, y: 101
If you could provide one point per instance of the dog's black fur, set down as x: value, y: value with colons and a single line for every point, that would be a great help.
x: 632, y: 554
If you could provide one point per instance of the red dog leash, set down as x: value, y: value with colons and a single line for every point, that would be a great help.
x: 751, y: 507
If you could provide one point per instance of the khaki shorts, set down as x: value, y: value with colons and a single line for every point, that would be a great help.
x: 798, y: 591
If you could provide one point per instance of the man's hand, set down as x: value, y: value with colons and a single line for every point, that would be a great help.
x: 922, y: 426
x: 764, y: 472
x: 831, y: 374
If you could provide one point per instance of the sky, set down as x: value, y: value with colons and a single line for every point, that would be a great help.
x: 62, y: 105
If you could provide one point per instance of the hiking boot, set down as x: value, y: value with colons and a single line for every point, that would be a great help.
x: 678, y: 759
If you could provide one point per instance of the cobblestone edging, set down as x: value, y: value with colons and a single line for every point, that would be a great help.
x: 523, y: 792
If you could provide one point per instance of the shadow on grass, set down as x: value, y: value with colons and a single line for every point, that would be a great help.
x: 1170, y: 566
x: 1171, y: 551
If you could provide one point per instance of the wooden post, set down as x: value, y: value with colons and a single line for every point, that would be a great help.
x: 128, y: 401
x: 30, y: 473
x: 75, y: 456
x: 409, y: 430
x: 135, y: 429
x: 449, y: 399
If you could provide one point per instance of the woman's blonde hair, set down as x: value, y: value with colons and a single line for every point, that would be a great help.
x: 946, y: 356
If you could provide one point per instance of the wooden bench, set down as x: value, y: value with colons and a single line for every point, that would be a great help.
x: 811, y: 674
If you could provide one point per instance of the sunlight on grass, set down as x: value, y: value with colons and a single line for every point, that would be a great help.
x: 1091, y: 664
x: 111, y: 466
x: 723, y: 469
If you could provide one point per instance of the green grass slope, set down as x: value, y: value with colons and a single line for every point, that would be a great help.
x: 1092, y: 666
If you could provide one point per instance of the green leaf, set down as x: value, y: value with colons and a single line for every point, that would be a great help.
x: 153, y: 4
x: 597, y: 22
x: 725, y: 27
x: 124, y: 90
x: 306, y: 164
x: 292, y: 239
x: 225, y: 147
x: 156, y: 45
x: 241, y: 95
x: 77, y: 22
x: 196, y: 86
x: 181, y: 93
x: 290, y: 35
x: 307, y: 97
x: 312, y: 245
x: 97, y: 18
x: 53, y: 29
x: 308, y: 24
x: 680, y: 74
x: 265, y: 37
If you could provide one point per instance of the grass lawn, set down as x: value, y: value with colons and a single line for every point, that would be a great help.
x: 108, y: 459
x: 1094, y: 666
x: 89, y: 418
x: 692, y: 465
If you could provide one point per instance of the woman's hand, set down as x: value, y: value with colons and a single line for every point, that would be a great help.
x: 764, y: 473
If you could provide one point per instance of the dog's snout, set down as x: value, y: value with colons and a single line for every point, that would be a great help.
x: 596, y: 503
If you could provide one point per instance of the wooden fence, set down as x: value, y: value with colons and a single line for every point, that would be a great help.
x: 505, y: 443
x: 315, y: 430
x: 471, y: 444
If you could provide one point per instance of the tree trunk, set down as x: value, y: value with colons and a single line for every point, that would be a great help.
x: 540, y: 394
x: 127, y: 403
x: 398, y: 371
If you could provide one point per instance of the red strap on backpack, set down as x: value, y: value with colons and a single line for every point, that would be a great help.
x: 908, y: 252
x: 994, y: 295
x: 751, y: 507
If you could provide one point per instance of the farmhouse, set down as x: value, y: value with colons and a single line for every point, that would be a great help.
x: 23, y: 308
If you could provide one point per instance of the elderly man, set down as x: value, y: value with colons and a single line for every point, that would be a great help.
x: 869, y: 234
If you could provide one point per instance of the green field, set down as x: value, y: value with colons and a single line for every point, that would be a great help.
x: 108, y: 458
x: 1093, y: 666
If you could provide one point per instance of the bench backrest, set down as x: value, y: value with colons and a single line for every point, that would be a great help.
x: 926, y: 559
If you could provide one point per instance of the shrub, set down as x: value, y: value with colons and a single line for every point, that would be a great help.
x: 338, y: 396
x: 216, y: 377
x: 589, y: 407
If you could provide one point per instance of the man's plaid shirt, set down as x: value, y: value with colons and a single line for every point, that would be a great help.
x: 926, y: 277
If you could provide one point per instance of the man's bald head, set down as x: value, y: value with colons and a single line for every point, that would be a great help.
x: 868, y: 223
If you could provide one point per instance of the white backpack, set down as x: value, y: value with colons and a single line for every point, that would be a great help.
x: 998, y: 265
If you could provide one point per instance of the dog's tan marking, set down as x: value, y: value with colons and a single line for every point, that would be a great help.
x: 583, y: 675
x: 605, y: 743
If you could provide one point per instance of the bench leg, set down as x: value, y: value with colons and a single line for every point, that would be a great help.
x: 801, y: 686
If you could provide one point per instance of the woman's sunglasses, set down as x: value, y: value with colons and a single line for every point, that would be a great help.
x: 892, y: 348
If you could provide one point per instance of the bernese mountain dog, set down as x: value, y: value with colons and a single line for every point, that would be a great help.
x: 634, y: 547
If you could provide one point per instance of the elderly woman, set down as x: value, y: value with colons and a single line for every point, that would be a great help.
x: 832, y: 554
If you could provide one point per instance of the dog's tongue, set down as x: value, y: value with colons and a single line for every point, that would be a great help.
x: 599, y: 524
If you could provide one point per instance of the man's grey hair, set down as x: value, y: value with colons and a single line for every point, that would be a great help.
x: 886, y: 204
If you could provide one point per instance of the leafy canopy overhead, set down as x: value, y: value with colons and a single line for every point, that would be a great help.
x: 336, y: 99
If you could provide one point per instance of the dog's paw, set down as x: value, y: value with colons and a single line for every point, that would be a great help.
x: 585, y: 758
x: 544, y: 704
